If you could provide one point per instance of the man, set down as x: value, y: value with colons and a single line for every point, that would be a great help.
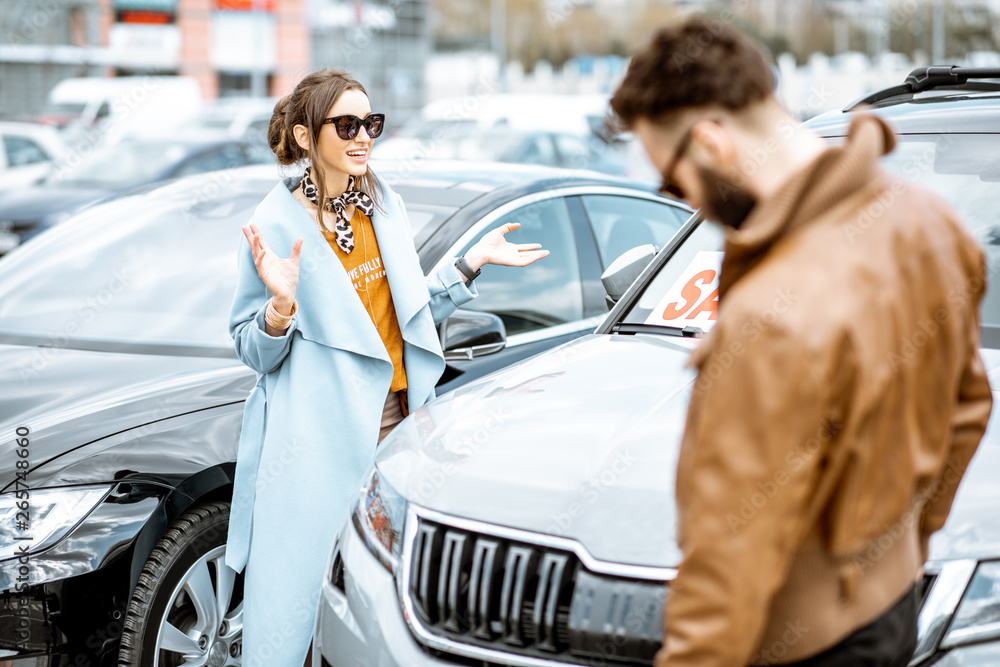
x: 817, y: 459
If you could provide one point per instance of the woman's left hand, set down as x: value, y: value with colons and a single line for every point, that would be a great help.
x: 493, y: 248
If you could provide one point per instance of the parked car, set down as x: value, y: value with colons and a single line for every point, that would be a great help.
x: 83, y: 179
x: 121, y: 392
x: 28, y: 152
x: 554, y: 149
x: 242, y: 117
x: 527, y: 518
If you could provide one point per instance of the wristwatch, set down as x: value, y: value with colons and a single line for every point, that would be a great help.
x: 466, y: 270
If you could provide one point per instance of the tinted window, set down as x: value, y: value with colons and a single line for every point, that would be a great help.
x: 225, y: 157
x: 573, y: 151
x: 622, y: 223
x: 536, y: 149
x: 965, y: 170
x: 120, y: 165
x: 21, y: 151
x: 258, y: 153
x: 542, y: 294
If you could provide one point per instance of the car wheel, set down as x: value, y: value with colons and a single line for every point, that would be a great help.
x: 187, y: 608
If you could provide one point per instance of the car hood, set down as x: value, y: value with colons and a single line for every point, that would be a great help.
x: 34, y: 203
x: 68, y: 398
x: 582, y: 441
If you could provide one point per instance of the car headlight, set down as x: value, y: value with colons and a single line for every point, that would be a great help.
x: 40, y: 518
x: 978, y: 615
x: 379, y: 517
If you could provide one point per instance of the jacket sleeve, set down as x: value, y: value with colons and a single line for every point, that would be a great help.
x: 743, y: 482
x: 448, y: 291
x: 254, y: 346
x: 447, y: 287
x: 969, y: 418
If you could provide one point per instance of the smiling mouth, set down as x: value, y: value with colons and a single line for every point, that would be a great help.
x: 357, y: 154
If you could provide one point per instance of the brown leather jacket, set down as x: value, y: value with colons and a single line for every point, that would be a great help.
x: 839, y: 398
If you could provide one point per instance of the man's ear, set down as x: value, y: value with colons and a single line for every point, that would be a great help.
x: 301, y: 134
x: 713, y: 142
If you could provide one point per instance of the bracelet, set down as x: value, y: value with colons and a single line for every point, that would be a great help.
x: 276, y: 319
x: 466, y: 270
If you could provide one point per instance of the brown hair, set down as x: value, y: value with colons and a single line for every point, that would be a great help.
x: 308, y: 105
x: 701, y: 61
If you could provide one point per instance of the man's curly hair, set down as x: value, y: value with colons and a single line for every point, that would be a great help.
x: 701, y: 61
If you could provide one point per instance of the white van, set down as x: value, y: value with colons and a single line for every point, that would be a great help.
x: 115, y: 107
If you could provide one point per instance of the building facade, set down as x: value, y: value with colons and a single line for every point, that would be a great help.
x: 231, y: 47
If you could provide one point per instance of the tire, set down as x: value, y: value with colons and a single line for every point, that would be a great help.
x: 173, y: 617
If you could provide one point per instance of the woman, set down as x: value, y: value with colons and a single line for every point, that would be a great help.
x: 365, y: 352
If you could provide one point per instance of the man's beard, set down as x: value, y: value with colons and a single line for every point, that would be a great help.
x: 724, y: 201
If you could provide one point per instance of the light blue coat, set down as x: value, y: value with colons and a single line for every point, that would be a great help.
x: 311, y: 423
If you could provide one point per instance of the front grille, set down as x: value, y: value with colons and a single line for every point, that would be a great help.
x: 485, y: 591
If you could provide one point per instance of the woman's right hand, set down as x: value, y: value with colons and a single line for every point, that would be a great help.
x: 279, y: 275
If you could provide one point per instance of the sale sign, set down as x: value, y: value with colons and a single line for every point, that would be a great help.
x: 693, y: 299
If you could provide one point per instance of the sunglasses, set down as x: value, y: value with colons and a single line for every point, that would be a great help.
x: 668, y: 187
x: 347, y: 126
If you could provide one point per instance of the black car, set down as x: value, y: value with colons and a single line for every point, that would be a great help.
x: 85, y: 177
x: 121, y: 397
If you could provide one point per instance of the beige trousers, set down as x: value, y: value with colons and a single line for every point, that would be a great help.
x: 392, y: 414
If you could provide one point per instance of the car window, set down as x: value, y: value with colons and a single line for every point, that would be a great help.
x: 694, y: 255
x: 226, y: 157
x: 121, y: 165
x: 258, y: 153
x: 622, y: 223
x: 538, y: 149
x: 965, y: 170
x: 545, y: 293
x: 21, y: 151
x: 573, y: 151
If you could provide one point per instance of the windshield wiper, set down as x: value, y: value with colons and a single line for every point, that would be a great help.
x: 687, y: 332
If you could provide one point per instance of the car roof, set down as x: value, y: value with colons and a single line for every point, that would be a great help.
x: 930, y: 100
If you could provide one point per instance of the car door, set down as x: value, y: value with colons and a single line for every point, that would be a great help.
x: 559, y: 297
x: 542, y: 304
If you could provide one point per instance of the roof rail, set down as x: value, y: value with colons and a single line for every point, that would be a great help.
x: 927, y: 78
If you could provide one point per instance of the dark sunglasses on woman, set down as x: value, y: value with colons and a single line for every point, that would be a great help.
x: 347, y: 126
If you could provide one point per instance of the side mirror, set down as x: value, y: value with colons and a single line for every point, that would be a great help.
x: 624, y: 270
x: 469, y: 333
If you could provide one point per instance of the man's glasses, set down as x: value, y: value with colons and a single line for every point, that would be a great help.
x: 682, y: 146
x: 668, y: 187
x: 347, y: 126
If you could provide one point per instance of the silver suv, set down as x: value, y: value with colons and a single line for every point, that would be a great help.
x: 527, y: 518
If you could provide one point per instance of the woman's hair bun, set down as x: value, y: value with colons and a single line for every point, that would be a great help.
x: 278, y: 137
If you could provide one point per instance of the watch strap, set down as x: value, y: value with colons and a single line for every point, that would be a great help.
x: 466, y: 270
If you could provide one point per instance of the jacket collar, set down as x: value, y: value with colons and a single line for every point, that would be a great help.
x: 833, y: 175
x: 330, y: 310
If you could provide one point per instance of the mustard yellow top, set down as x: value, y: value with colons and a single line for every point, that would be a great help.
x: 365, y: 271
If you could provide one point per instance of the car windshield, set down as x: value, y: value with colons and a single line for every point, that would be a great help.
x: 962, y: 168
x: 65, y: 108
x: 121, y: 165
x: 157, y: 268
